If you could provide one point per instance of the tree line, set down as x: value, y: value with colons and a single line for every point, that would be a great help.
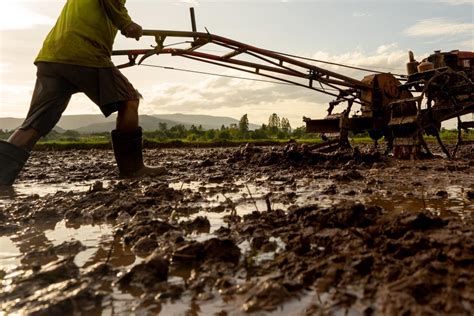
x: 276, y: 128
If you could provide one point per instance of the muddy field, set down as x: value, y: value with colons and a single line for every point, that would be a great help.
x: 261, y: 230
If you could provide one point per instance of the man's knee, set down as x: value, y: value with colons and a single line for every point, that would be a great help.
x: 129, y: 106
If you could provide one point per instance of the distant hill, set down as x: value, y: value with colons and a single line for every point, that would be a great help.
x: 148, y: 123
x: 11, y: 123
x: 74, y: 122
x: 92, y: 123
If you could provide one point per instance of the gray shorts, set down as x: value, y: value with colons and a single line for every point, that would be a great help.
x: 56, y: 83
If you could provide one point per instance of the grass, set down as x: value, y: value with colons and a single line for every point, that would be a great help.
x: 95, y: 142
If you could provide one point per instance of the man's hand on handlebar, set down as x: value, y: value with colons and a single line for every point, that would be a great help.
x: 133, y: 30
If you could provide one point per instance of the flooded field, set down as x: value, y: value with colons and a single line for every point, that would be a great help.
x: 279, y: 231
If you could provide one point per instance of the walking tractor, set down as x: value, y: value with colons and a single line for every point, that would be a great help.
x: 400, y: 108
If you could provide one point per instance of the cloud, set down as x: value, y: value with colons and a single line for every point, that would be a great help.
x: 361, y: 14
x: 457, y: 2
x: 14, y: 16
x: 13, y: 97
x: 436, y: 27
x: 4, y: 68
x: 382, y: 49
x: 387, y: 57
x: 189, y: 2
x: 468, y: 44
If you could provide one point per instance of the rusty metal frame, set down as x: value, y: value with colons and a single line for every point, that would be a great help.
x: 270, y: 62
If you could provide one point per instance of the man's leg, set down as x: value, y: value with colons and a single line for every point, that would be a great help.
x: 12, y: 160
x: 14, y: 153
x: 127, y: 143
x: 50, y: 98
x: 112, y: 92
x: 25, y: 139
x: 127, y: 116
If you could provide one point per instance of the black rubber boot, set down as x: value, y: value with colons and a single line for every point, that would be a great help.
x: 128, y: 154
x: 12, y: 160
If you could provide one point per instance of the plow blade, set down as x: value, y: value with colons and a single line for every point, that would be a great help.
x: 333, y: 125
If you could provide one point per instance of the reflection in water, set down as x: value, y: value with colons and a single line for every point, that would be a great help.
x: 24, y: 189
x: 10, y: 255
x: 37, y: 245
x: 120, y: 255
x: 92, y: 237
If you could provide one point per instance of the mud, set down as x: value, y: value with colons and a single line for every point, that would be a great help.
x: 264, y: 230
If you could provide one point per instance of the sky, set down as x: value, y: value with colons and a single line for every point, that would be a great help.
x: 375, y: 34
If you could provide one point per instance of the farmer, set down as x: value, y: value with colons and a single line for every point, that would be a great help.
x: 76, y: 58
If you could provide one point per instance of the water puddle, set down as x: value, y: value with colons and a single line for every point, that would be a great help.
x: 38, y: 189
x: 218, y: 202
x: 250, y: 197
x: 9, y: 254
x: 92, y: 237
x: 41, y: 244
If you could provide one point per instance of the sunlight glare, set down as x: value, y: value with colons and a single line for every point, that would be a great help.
x: 14, y: 16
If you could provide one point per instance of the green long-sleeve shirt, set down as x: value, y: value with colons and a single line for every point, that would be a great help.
x: 84, y: 33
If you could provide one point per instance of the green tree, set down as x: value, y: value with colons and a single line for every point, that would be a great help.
x: 178, y: 131
x: 163, y: 126
x: 52, y: 135
x: 281, y: 135
x: 274, y: 124
x: 4, y: 134
x: 260, y: 133
x: 274, y: 121
x: 285, y: 125
x: 299, y: 132
x: 223, y: 135
x: 210, y: 134
x: 244, y: 126
x: 191, y: 137
x: 71, y: 135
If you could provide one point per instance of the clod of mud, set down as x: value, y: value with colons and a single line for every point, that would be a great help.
x: 139, y: 228
x: 223, y: 250
x: 30, y: 281
x: 442, y: 194
x: 63, y: 298
x: 200, y: 224
x: 351, y: 175
x: 50, y: 290
x: 212, y: 250
x: 65, y: 249
x: 145, y: 245
x: 470, y: 194
x: 267, y: 295
x: 148, y: 274
x: 420, y: 221
x: 163, y: 192
x: 356, y: 215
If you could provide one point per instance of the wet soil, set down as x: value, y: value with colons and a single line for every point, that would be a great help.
x: 263, y: 230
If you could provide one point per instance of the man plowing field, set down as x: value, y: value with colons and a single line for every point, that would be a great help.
x: 75, y: 57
